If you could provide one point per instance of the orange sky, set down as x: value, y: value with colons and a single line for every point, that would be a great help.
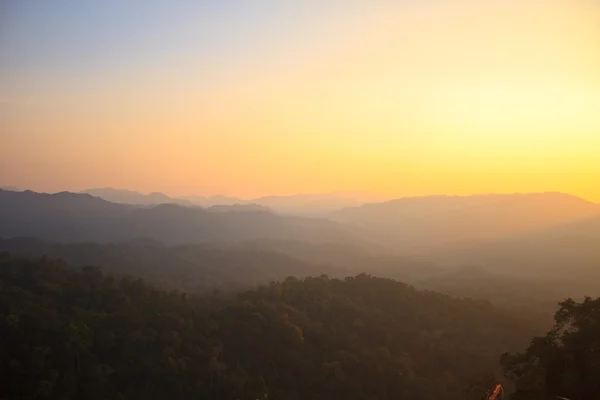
x: 453, y: 97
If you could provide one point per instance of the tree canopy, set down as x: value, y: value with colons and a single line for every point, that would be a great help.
x: 566, y: 361
x: 72, y: 334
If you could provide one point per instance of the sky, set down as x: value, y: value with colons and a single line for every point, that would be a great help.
x: 251, y: 98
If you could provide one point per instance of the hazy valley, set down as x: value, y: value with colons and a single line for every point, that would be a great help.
x: 505, y: 252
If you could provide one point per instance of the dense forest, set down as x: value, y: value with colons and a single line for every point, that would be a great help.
x: 74, y: 334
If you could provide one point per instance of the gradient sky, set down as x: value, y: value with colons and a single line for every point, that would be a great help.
x: 260, y: 97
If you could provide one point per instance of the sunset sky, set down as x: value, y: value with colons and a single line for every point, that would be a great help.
x: 249, y: 98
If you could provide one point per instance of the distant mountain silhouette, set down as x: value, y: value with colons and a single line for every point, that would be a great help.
x: 301, y: 204
x: 318, y: 204
x: 217, y: 200
x: 11, y: 188
x: 124, y: 196
x: 82, y: 217
x: 420, y: 223
x: 239, y: 208
x: 570, y: 250
x: 60, y: 216
x: 131, y: 197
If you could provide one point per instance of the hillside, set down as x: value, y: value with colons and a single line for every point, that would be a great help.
x: 74, y: 335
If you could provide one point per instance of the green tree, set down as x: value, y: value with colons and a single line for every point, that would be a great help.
x: 566, y: 361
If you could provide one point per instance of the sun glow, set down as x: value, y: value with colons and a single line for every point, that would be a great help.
x: 457, y: 97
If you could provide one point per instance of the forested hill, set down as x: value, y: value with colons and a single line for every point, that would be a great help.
x: 82, y: 335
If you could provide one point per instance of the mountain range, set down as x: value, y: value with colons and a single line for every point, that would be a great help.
x: 124, y: 196
x: 456, y: 244
x: 299, y: 204
x: 421, y: 223
x: 82, y: 217
x: 527, y: 232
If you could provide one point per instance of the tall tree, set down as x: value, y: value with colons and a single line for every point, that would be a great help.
x: 563, y: 363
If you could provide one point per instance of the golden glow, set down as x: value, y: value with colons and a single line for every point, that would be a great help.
x: 458, y: 97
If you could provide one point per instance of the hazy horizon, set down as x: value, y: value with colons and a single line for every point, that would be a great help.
x: 364, y: 196
x: 342, y: 193
x: 403, y: 99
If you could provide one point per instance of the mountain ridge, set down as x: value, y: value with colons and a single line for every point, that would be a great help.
x: 70, y: 216
x: 418, y: 223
